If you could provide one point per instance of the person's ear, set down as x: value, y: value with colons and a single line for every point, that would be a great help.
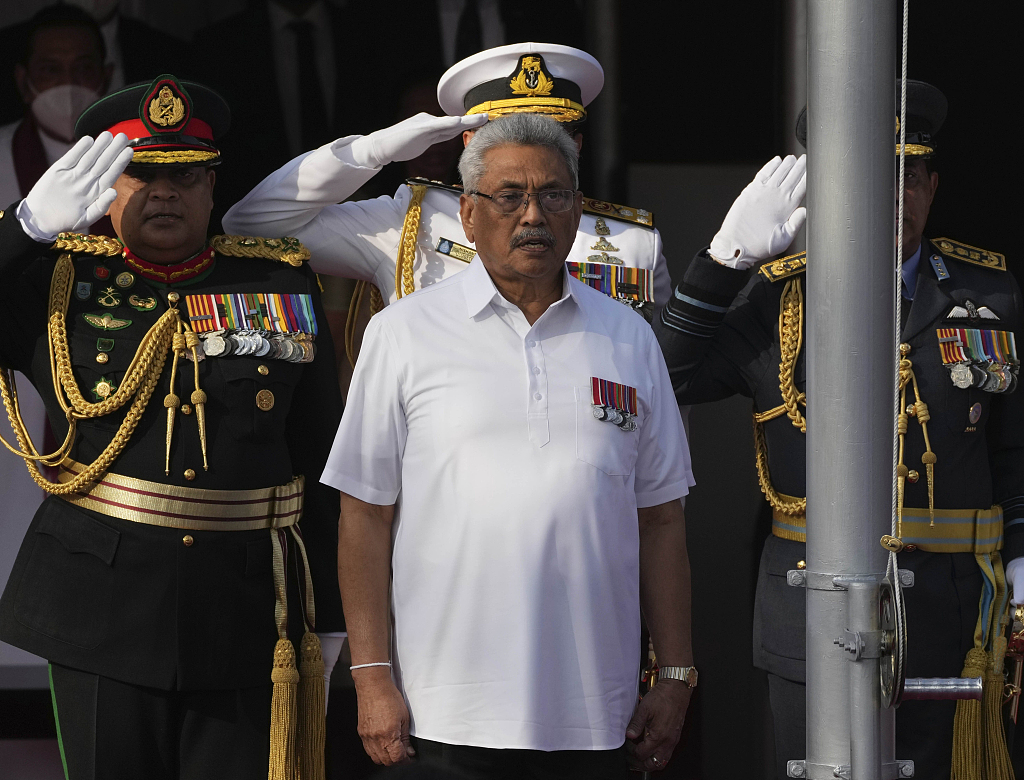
x: 467, y: 206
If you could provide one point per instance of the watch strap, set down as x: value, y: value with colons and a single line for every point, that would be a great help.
x: 688, y: 674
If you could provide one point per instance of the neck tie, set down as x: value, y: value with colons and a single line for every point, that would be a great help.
x: 314, y: 130
x: 468, y: 35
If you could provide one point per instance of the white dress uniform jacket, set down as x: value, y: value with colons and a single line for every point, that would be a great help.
x: 360, y: 239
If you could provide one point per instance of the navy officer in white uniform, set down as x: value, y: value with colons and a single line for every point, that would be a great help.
x: 414, y: 239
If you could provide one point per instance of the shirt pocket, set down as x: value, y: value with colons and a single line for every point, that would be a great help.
x: 601, y: 443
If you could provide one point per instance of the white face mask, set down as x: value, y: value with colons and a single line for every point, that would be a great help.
x: 58, y: 108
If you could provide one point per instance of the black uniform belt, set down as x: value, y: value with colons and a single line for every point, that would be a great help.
x: 955, y: 530
x: 170, y: 506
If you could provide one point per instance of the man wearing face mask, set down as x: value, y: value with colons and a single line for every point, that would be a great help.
x: 59, y: 74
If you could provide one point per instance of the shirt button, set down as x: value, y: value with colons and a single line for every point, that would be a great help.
x: 537, y: 396
x: 536, y: 370
x: 532, y: 343
x: 187, y: 540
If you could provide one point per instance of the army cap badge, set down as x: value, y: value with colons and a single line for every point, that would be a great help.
x: 167, y: 121
x: 540, y: 78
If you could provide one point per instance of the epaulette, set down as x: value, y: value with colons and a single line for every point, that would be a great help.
x: 613, y: 210
x: 970, y: 254
x: 784, y: 267
x: 88, y: 245
x: 438, y: 185
x: 284, y: 250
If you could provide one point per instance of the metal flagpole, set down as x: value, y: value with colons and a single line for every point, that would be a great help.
x: 850, y: 376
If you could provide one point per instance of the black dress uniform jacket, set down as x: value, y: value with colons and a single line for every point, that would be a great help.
x: 131, y: 601
x: 720, y: 336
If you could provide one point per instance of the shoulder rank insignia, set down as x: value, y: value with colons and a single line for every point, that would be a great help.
x: 970, y: 254
x: 284, y: 250
x: 437, y: 185
x: 104, y: 246
x: 784, y: 267
x: 614, y: 211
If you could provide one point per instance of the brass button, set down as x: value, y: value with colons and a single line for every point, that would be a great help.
x: 190, y: 474
x: 186, y: 409
x: 801, y: 564
x: 904, y: 349
x: 102, y: 358
x: 263, y: 370
x: 264, y: 400
x: 172, y: 297
x: 187, y: 540
x: 912, y: 476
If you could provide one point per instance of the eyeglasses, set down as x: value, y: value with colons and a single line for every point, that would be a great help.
x: 551, y: 201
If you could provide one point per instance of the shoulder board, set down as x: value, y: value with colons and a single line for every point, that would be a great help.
x: 603, y: 208
x: 784, y: 267
x: 88, y: 245
x: 283, y: 250
x: 970, y: 254
x: 437, y: 185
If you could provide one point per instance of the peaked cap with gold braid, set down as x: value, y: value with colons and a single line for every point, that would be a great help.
x: 167, y: 121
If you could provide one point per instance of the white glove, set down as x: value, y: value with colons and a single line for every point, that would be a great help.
x: 766, y: 216
x: 1015, y: 576
x: 330, y: 648
x: 77, y: 189
x: 410, y: 138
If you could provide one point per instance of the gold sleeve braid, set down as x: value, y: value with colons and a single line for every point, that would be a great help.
x: 791, y: 330
x: 405, y: 284
x: 139, y: 382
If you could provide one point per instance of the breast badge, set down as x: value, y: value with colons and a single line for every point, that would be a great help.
x: 106, y: 321
x: 109, y: 298
x: 83, y: 290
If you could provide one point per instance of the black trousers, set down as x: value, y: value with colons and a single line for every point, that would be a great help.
x: 465, y: 762
x: 110, y: 730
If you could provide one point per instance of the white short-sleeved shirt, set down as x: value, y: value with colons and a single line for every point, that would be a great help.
x: 515, y: 588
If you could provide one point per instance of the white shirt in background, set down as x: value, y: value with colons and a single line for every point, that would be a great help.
x: 515, y: 588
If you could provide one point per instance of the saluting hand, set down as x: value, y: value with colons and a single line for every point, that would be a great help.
x: 765, y: 218
x: 653, y: 732
x: 383, y: 722
x: 77, y: 189
x: 410, y: 138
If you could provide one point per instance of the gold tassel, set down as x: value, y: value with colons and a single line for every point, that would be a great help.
x: 997, y: 756
x: 967, y: 743
x: 282, y: 713
x: 312, y: 709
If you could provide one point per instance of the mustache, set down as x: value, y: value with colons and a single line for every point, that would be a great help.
x: 532, y: 234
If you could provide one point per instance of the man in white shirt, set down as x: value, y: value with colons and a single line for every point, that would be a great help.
x: 511, y: 462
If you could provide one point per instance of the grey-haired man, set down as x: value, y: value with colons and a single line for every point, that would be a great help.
x: 511, y: 456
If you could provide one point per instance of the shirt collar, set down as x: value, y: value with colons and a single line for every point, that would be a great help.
x: 280, y: 18
x: 909, y: 271
x: 480, y: 290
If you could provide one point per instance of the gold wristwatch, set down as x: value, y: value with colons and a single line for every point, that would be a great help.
x: 688, y: 674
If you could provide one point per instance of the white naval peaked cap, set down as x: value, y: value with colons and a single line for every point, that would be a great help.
x: 546, y: 78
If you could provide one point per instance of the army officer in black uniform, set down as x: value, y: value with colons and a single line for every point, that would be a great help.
x: 727, y: 331
x: 192, y: 384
